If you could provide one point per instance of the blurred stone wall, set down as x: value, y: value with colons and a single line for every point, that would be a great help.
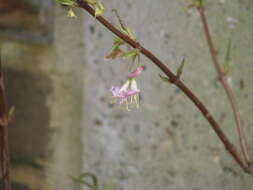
x: 66, y: 124
x: 44, y: 83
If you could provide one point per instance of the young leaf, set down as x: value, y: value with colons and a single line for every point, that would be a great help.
x: 180, y: 68
x: 132, y: 53
x: 127, y: 32
x: 115, y: 47
x: 70, y: 13
x: 82, y: 179
x: 11, y: 113
x: 99, y: 9
x: 123, y: 30
x: 117, y: 42
x: 92, y: 2
x: 66, y: 2
x: 226, y: 67
x: 122, y: 24
x: 123, y: 27
x: 115, y: 53
x: 130, y: 34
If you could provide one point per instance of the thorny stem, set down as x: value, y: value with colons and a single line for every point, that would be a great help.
x: 176, y: 81
x: 224, y: 82
x: 4, y: 146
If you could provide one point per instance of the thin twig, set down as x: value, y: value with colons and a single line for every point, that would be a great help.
x: 176, y: 81
x: 224, y: 82
x: 5, y: 154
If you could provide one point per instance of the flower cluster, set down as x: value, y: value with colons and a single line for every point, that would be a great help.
x: 129, y: 93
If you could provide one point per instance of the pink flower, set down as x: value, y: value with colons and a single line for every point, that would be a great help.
x: 128, y: 93
x: 136, y: 72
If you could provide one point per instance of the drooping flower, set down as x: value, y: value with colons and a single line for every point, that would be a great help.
x: 128, y: 94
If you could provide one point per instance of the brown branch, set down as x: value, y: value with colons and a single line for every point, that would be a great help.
x: 4, y: 146
x: 224, y: 82
x: 176, y: 81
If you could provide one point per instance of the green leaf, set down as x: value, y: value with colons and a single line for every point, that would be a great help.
x: 123, y: 30
x: 132, y: 53
x: 115, y: 47
x: 70, y: 13
x: 91, y: 2
x: 82, y: 179
x: 117, y: 42
x: 79, y: 180
x: 66, y: 2
x: 99, y: 9
x: 180, y: 68
x: 122, y: 25
x: 226, y: 67
x: 131, y: 34
x: 115, y: 53
x: 127, y: 32
x: 11, y: 113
